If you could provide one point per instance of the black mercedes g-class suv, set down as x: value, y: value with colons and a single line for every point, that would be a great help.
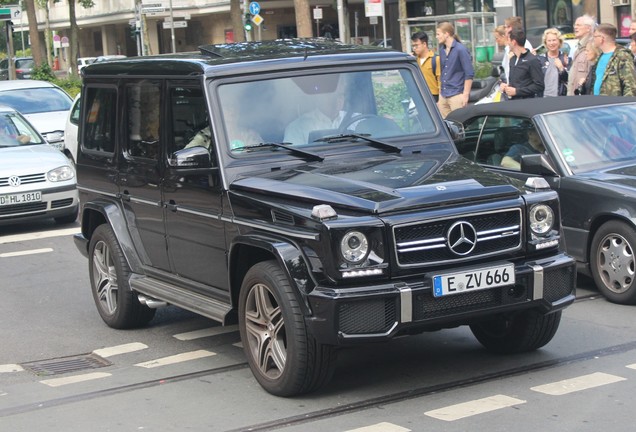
x: 312, y: 192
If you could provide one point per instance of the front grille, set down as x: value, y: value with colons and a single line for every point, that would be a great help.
x: 425, y: 306
x: 558, y: 283
x: 22, y: 208
x: 25, y: 179
x: 61, y: 203
x: 372, y: 316
x: 427, y: 242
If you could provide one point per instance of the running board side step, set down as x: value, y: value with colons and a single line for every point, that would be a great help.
x: 162, y: 292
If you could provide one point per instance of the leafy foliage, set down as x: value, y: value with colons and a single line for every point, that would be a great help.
x: 45, y: 73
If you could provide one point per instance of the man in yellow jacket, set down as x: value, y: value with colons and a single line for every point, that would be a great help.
x: 428, y: 61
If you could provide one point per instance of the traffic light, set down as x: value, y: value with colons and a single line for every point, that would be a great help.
x: 247, y: 25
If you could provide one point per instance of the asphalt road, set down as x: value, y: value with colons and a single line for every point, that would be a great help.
x: 185, y: 372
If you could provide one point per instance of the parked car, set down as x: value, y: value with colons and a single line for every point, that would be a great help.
x: 590, y: 160
x: 71, y: 129
x: 36, y: 180
x: 23, y: 68
x: 45, y: 105
x: 368, y: 227
x: 82, y: 62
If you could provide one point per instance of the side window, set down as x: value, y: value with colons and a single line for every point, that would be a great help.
x: 473, y: 131
x: 143, y: 105
x: 100, y: 124
x: 75, y: 112
x: 189, y: 119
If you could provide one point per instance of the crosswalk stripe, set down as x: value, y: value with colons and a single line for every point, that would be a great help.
x: 25, y: 252
x: 471, y: 408
x: 193, y: 355
x: 207, y: 332
x: 5, y: 368
x: 572, y: 385
x: 38, y: 235
x: 120, y: 349
x: 381, y: 427
x: 57, y: 382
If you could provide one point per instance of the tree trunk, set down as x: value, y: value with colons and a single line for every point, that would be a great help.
x: 36, y: 46
x: 47, y: 34
x: 402, y: 16
x: 237, y: 20
x: 303, y: 19
x: 74, y: 42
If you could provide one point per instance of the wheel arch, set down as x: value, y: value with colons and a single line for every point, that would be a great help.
x: 248, y: 250
x: 96, y: 213
x: 599, y: 221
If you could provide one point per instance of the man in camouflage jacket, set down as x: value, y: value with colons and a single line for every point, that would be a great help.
x: 614, y: 73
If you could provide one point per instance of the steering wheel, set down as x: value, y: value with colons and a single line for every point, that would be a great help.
x: 355, y: 119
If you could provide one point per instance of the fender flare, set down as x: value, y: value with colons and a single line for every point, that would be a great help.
x: 288, y: 255
x: 101, y: 211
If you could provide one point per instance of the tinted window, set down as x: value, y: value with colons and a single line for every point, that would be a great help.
x: 143, y: 104
x: 190, y: 124
x: 100, y: 124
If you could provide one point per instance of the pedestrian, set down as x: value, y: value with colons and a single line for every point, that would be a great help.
x: 526, y: 78
x: 632, y: 45
x: 580, y: 66
x: 632, y: 26
x: 457, y: 73
x: 554, y: 64
x: 509, y: 24
x: 584, y: 86
x: 428, y: 61
x: 614, y: 73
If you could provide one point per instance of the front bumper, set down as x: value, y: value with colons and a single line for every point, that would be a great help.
x: 344, y: 316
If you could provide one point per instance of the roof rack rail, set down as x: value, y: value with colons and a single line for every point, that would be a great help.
x: 210, y: 50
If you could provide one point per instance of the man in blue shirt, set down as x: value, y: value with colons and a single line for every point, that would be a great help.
x: 457, y: 70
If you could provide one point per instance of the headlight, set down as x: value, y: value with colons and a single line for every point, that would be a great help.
x: 354, y: 247
x: 60, y: 174
x: 541, y: 219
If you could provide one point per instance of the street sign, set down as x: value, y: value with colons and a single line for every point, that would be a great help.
x: 257, y: 19
x: 151, y: 10
x: 174, y: 24
x: 16, y: 13
x: 317, y: 13
x: 5, y: 14
x: 255, y: 8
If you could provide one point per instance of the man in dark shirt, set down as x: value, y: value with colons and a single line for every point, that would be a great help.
x: 526, y: 76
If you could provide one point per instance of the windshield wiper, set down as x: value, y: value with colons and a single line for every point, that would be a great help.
x: 303, y: 153
x: 383, y: 145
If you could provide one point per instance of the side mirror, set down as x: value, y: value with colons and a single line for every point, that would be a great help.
x: 191, y: 158
x: 538, y: 164
x: 456, y: 130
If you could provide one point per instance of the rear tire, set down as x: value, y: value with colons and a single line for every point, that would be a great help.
x: 284, y: 358
x: 524, y: 331
x: 109, y: 272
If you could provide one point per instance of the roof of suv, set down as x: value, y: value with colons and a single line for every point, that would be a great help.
x: 215, y: 57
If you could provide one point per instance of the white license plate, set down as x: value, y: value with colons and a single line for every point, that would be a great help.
x: 21, y: 198
x: 473, y: 279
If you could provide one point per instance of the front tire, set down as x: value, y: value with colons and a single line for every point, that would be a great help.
x: 613, y: 263
x: 109, y: 272
x: 524, y: 331
x: 283, y: 357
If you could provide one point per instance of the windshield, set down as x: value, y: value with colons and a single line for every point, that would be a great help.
x: 595, y: 138
x: 15, y: 131
x: 36, y: 100
x: 309, y: 110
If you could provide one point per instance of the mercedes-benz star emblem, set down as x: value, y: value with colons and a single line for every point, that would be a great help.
x: 461, y: 238
x: 14, y: 181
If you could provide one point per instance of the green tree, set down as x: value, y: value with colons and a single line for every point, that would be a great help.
x: 74, y: 37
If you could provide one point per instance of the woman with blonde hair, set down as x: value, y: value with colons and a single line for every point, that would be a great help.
x: 554, y: 64
x: 584, y: 86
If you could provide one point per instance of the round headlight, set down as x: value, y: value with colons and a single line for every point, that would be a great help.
x: 354, y: 246
x: 541, y: 219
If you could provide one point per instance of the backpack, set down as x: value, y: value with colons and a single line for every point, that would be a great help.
x: 434, y: 64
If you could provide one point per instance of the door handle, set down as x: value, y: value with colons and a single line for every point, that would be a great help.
x: 172, y: 206
x: 125, y: 196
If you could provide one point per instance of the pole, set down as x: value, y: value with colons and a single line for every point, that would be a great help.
x: 7, y: 25
x: 22, y: 33
x: 174, y: 48
x: 341, y: 21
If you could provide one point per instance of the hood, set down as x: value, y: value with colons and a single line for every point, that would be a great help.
x: 382, y: 185
x: 21, y: 160
x: 48, y: 121
x: 624, y: 177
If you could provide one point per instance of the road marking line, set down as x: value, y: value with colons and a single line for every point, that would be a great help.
x: 120, y: 349
x: 5, y: 368
x: 207, y: 332
x: 381, y: 427
x: 39, y: 235
x: 583, y: 382
x: 193, y: 355
x: 25, y: 252
x: 631, y: 366
x: 56, y: 382
x: 471, y: 408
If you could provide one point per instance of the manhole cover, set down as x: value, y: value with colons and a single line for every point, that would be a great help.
x: 66, y: 364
